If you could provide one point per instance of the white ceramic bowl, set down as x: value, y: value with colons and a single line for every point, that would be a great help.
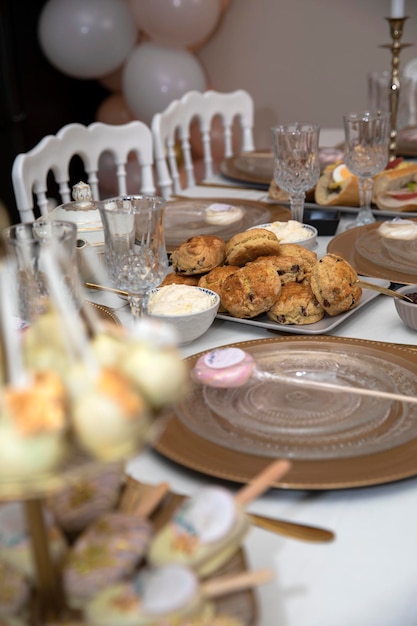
x: 310, y: 241
x: 190, y: 326
x: 407, y: 310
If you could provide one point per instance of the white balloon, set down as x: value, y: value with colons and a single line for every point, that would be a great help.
x: 155, y: 75
x: 176, y: 22
x: 86, y: 38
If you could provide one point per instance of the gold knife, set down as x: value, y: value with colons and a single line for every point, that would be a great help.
x: 295, y: 530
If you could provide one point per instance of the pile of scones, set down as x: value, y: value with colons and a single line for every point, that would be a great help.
x: 254, y: 273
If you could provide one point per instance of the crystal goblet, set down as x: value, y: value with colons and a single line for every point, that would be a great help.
x: 367, y: 137
x: 135, y: 252
x: 296, y: 162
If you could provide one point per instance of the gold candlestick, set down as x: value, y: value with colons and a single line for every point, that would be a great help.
x: 396, y: 25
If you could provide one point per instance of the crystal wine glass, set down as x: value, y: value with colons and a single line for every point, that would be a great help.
x: 367, y: 137
x: 296, y: 162
x: 135, y: 252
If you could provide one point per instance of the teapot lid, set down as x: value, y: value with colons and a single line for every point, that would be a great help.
x: 81, y: 192
x: 83, y: 199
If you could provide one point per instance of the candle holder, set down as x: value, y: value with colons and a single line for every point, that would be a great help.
x: 396, y: 25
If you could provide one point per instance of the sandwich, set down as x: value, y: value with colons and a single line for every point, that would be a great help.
x: 396, y: 189
x: 337, y: 186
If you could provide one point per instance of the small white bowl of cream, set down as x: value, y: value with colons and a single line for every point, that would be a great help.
x: 293, y: 232
x: 191, y: 310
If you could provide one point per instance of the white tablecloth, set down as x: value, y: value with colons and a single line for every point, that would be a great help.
x: 368, y: 575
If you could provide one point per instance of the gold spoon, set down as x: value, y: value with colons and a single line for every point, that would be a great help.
x: 387, y: 292
x: 360, y: 283
x: 119, y: 292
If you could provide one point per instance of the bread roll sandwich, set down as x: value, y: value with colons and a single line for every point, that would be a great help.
x: 396, y: 189
x: 337, y: 186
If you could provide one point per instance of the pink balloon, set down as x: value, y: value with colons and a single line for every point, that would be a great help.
x: 176, y: 22
x: 224, y: 5
x: 113, y: 80
x: 155, y: 75
x: 86, y: 38
x: 114, y: 110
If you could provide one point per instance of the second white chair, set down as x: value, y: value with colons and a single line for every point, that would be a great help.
x: 175, y: 122
x: 54, y: 154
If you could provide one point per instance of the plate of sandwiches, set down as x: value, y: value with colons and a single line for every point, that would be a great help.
x: 394, y: 192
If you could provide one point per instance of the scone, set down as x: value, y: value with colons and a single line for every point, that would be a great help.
x: 296, y: 305
x: 333, y: 282
x: 214, y: 280
x: 288, y: 268
x: 251, y: 290
x: 307, y: 258
x: 180, y: 279
x: 249, y: 245
x: 198, y: 255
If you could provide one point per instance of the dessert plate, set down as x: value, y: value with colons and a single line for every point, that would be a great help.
x: 397, y: 460
x: 325, y: 325
x: 376, y: 256
x: 185, y: 218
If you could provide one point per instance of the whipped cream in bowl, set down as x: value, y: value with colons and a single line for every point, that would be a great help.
x: 293, y: 232
x: 191, y: 310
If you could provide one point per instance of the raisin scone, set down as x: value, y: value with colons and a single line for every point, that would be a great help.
x: 251, y: 290
x: 215, y: 278
x: 199, y: 254
x: 296, y: 305
x: 245, y: 247
x: 180, y: 279
x: 333, y: 282
x: 307, y: 258
x: 288, y: 268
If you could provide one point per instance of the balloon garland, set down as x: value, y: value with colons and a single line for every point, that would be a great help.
x: 142, y: 51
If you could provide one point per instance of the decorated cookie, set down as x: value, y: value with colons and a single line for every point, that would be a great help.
x: 204, y: 533
x: 163, y: 595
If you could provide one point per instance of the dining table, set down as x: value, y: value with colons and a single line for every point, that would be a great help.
x: 366, y: 576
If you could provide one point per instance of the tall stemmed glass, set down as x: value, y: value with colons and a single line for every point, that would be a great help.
x: 367, y: 137
x: 135, y: 252
x: 296, y: 162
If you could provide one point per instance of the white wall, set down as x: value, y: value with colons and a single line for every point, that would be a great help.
x: 303, y: 59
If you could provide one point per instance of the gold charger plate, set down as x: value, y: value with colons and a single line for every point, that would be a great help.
x: 346, y: 245
x: 181, y: 445
x: 184, y: 218
x: 103, y: 312
x: 256, y: 167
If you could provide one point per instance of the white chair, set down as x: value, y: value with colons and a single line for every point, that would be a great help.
x: 175, y: 122
x: 54, y: 153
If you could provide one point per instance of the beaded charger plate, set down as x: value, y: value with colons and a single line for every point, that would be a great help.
x: 373, y: 255
x: 253, y: 167
x: 383, y: 459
